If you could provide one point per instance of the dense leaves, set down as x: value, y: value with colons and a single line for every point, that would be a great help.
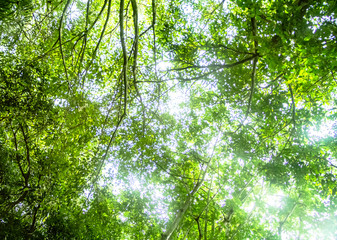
x: 168, y: 119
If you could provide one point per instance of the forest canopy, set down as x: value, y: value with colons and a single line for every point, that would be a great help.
x: 178, y: 119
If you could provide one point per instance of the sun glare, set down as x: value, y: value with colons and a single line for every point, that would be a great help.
x: 275, y: 200
x: 326, y: 129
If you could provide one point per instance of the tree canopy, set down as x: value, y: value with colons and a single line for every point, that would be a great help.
x: 179, y: 119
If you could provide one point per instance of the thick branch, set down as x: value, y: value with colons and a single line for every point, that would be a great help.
x: 180, y: 215
x: 254, y: 28
x: 125, y: 57
x: 136, y: 29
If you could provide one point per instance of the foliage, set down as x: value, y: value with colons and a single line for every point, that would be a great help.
x: 168, y: 119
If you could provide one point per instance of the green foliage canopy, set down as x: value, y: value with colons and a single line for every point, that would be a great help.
x: 168, y: 119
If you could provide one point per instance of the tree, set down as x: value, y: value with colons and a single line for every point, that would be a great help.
x: 168, y: 120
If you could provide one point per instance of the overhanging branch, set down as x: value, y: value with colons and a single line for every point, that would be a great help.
x: 218, y: 66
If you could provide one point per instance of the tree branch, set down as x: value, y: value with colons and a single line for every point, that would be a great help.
x: 99, y: 41
x: 25, y: 138
x: 60, y: 41
x: 219, y: 66
x: 17, y: 154
x: 180, y: 215
x: 154, y: 14
x: 286, y: 218
x: 252, y: 86
x: 253, y: 21
x: 125, y: 57
x: 225, y: 47
x: 124, y: 75
x: 293, y: 105
x: 199, y: 228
